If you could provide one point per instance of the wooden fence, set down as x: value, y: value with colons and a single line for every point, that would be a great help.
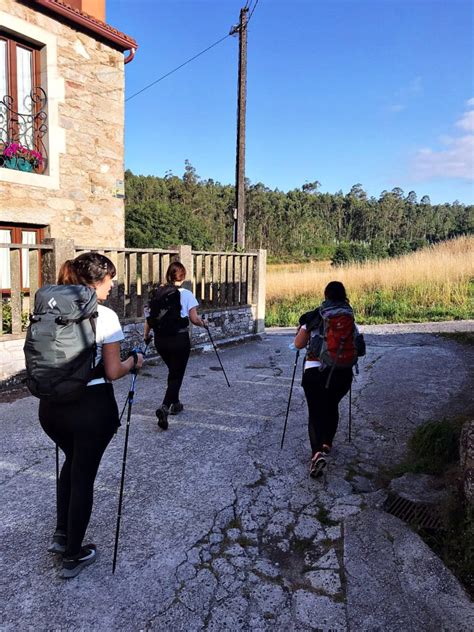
x: 220, y: 280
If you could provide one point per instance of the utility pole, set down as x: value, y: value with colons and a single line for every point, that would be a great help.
x: 239, y: 214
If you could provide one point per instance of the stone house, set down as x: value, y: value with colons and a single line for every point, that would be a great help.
x: 62, y: 96
x: 62, y: 179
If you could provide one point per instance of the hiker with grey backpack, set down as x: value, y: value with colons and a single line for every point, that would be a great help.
x: 168, y: 313
x: 333, y: 344
x: 72, y: 354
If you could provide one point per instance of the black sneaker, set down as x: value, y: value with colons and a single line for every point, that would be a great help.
x: 72, y: 566
x: 318, y: 463
x: 162, y: 414
x: 176, y: 408
x: 58, y: 544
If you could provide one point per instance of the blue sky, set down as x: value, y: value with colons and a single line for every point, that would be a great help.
x: 377, y: 92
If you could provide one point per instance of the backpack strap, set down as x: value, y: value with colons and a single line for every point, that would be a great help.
x: 98, y: 370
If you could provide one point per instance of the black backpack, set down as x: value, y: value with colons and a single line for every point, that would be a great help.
x: 60, y: 342
x: 165, y: 312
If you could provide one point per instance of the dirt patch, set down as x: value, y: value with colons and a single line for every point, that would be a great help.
x: 8, y: 395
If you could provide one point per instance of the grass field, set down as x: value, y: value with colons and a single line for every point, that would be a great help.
x: 436, y: 283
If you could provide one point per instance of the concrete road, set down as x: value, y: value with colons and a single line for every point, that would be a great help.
x: 223, y: 531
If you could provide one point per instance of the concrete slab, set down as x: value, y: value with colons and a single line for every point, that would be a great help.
x: 395, y: 582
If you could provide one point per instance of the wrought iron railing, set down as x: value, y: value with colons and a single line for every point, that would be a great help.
x: 23, y: 133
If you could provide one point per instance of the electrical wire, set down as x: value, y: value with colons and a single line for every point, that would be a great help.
x: 177, y: 68
x: 61, y: 66
x: 251, y: 12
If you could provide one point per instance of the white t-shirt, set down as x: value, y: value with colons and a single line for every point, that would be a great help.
x: 188, y: 301
x: 311, y: 364
x: 108, y: 329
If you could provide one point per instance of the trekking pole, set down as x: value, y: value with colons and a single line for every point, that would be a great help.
x: 206, y: 327
x: 126, y: 401
x: 129, y: 401
x: 289, y: 398
x: 350, y: 413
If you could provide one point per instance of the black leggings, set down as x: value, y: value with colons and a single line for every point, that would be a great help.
x: 175, y: 352
x: 82, y: 430
x: 323, y: 403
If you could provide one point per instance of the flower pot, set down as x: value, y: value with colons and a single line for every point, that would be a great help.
x: 17, y: 163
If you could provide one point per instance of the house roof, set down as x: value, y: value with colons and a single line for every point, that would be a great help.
x: 94, y: 26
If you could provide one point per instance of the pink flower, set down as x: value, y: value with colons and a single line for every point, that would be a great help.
x: 15, y: 150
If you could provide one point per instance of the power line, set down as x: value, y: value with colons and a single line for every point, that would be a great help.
x: 251, y: 13
x: 177, y: 68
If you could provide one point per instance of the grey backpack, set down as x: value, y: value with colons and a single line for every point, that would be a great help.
x: 60, y: 343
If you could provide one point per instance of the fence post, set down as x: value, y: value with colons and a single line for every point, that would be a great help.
x: 185, y: 256
x: 53, y: 259
x: 259, y: 291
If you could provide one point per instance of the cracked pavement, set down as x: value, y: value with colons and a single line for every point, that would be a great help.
x: 223, y: 531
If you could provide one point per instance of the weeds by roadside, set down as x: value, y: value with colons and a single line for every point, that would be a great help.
x: 433, y: 448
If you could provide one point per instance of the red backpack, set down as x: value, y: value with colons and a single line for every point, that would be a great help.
x: 336, y: 343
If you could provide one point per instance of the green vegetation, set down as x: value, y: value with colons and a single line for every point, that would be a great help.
x: 433, y: 447
x: 298, y: 225
x: 385, y: 305
x: 7, y: 317
x: 305, y: 225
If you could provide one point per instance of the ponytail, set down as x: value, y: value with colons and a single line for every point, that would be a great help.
x: 86, y: 269
x: 67, y: 273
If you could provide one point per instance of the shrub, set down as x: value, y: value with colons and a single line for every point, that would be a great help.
x: 7, y: 318
x: 435, y: 445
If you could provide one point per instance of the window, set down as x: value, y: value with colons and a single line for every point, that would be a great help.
x: 22, y: 103
x: 17, y: 234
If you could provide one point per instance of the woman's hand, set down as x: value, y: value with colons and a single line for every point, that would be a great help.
x: 194, y: 318
x: 138, y: 363
x: 114, y: 367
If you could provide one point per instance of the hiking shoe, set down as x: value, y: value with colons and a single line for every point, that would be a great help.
x: 176, y: 408
x: 162, y: 414
x: 318, y: 463
x: 72, y: 566
x: 58, y: 544
x: 326, y: 449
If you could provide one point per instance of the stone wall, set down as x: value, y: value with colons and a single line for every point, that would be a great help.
x: 227, y: 326
x: 232, y: 324
x: 84, y: 82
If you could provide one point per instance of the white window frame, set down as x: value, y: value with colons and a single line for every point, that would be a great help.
x: 53, y: 85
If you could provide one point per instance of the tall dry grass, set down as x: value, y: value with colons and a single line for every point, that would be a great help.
x: 445, y: 263
x: 431, y: 281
